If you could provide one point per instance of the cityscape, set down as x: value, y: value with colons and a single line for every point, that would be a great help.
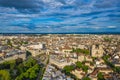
x: 60, y: 57
x: 59, y: 39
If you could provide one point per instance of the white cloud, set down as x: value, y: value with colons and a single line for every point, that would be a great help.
x: 96, y: 27
x: 111, y: 27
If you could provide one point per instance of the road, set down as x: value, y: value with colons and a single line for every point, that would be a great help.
x: 42, y: 60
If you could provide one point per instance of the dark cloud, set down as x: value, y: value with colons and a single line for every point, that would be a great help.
x: 107, y: 3
x: 23, y: 5
x: 88, y: 14
x: 62, y: 1
x: 32, y: 6
x: 114, y: 15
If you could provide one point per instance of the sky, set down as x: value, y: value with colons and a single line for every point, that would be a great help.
x: 59, y: 16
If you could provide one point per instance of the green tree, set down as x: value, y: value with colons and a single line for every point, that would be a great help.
x: 8, y: 64
x: 20, y: 69
x: 84, y: 51
x: 25, y: 42
x: 68, y: 69
x: 28, y: 53
x: 4, y: 75
x: 86, y: 78
x: 85, y: 68
x: 9, y: 43
x: 30, y: 62
x: 106, y: 57
x: 100, y: 76
x: 30, y: 74
x: 106, y: 39
x: 20, y: 77
x: 117, y: 69
x: 79, y: 64
x: 18, y: 61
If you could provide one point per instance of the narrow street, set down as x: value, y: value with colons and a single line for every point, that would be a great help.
x: 42, y: 60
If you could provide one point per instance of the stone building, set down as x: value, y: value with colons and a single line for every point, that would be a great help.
x: 97, y: 51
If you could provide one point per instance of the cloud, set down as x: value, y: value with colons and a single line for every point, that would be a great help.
x: 23, y: 5
x: 60, y: 15
x: 14, y: 29
x: 106, y: 4
x: 111, y: 27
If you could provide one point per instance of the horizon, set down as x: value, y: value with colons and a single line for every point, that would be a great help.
x: 79, y: 33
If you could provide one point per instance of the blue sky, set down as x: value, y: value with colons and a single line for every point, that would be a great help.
x: 46, y: 16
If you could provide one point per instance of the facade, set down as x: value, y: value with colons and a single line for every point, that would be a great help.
x: 36, y: 49
x: 97, y: 51
x: 13, y: 56
x: 37, y: 46
x: 78, y: 73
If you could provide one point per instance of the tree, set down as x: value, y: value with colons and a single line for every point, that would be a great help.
x: 30, y: 74
x: 107, y: 39
x: 86, y: 78
x: 100, y: 76
x: 20, y: 69
x: 9, y: 43
x: 4, y: 65
x: 21, y: 77
x: 12, y: 64
x: 79, y: 64
x: 8, y: 64
x: 68, y: 69
x: 106, y: 57
x: 28, y: 53
x: 84, y: 51
x: 4, y: 75
x: 18, y: 61
x: 85, y: 68
x: 30, y: 62
x: 117, y: 69
x: 25, y: 42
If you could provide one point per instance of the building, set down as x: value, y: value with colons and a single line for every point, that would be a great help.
x: 38, y: 46
x: 14, y: 54
x: 36, y: 49
x: 79, y: 73
x: 59, y: 61
x: 97, y: 51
